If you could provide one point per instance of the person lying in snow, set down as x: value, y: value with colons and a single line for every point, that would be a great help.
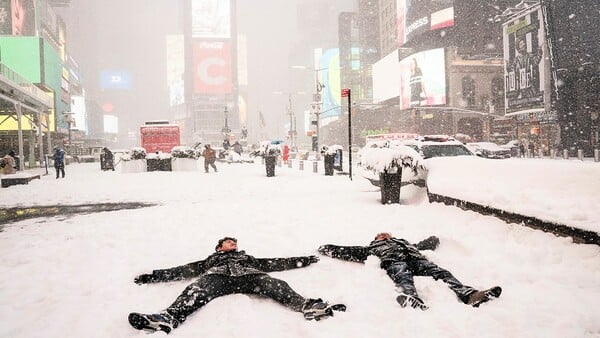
x: 402, y: 260
x: 229, y: 271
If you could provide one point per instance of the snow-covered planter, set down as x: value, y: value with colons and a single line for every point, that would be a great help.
x: 184, y: 159
x: 158, y: 161
x: 134, y: 161
x: 387, y: 166
x: 184, y: 152
x: 267, y: 149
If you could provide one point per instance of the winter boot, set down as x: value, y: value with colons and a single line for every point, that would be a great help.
x: 163, y: 321
x: 317, y: 309
x: 478, y: 297
x: 413, y: 301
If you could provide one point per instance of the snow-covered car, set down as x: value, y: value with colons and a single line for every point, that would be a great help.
x: 438, y: 146
x: 489, y: 150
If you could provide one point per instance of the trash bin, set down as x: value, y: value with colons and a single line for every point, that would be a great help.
x: 107, y: 162
x: 328, y: 161
x: 17, y: 163
x: 270, y: 161
x: 337, y: 164
x: 389, y: 184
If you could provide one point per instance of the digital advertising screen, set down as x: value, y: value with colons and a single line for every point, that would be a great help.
x: 111, y: 124
x: 79, y: 112
x: 115, y: 79
x: 212, y: 67
x: 415, y: 17
x: 384, y: 85
x: 175, y: 69
x: 524, y: 66
x: 211, y: 19
x: 423, y: 79
x: 329, y: 76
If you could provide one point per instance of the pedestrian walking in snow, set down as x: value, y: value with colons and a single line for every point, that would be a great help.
x: 210, y: 157
x: 403, y: 260
x: 229, y: 271
x: 59, y: 161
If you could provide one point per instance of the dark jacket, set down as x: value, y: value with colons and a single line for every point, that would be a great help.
x: 59, y: 158
x: 232, y: 263
x: 388, y: 250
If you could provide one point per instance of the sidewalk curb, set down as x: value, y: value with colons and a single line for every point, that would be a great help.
x: 579, y: 236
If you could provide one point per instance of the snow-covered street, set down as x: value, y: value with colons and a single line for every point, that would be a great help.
x: 73, y: 275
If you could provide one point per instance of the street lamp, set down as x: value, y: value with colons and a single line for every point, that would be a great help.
x: 226, y: 129
x: 316, y: 104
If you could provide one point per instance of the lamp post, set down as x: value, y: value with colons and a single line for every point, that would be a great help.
x: 69, y: 119
x: 226, y: 129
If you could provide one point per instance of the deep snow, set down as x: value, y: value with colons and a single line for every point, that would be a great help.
x: 73, y: 275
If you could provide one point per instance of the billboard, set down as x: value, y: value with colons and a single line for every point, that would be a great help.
x: 175, y: 69
x: 329, y: 76
x: 211, y: 19
x: 79, y: 112
x: 415, y: 17
x: 386, y: 85
x: 524, y: 67
x: 212, y: 67
x: 17, y: 17
x: 115, y: 79
x: 423, y: 79
x: 111, y: 124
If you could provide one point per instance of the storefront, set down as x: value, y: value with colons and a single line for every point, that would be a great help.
x: 537, y: 129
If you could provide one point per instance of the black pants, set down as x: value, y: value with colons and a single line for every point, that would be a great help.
x: 402, y: 273
x: 60, y: 169
x: 211, y: 286
x: 210, y: 162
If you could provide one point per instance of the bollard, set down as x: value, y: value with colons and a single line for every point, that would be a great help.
x: 289, y: 163
x: 553, y: 153
x: 566, y: 154
x: 279, y: 162
x: 262, y: 160
x: 596, y: 155
x: 301, y: 165
x: 315, y: 167
x: 541, y: 153
x: 580, y: 154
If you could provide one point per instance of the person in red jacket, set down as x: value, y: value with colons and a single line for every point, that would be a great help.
x: 285, y: 153
x: 210, y: 156
x: 225, y: 272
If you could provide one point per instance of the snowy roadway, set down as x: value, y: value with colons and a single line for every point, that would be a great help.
x: 73, y: 275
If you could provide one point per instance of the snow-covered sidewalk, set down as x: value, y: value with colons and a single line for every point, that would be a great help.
x: 73, y: 275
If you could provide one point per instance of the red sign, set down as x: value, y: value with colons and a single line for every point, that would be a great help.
x: 212, y: 67
x: 345, y: 92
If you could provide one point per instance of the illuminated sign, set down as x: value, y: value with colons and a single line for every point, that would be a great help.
x: 415, y: 17
x: 110, y: 79
x: 423, y: 79
x: 212, y: 67
x: 211, y: 19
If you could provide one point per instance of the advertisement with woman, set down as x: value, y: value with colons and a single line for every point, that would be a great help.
x: 423, y: 79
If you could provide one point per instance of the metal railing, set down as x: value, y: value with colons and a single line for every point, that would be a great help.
x: 12, y: 78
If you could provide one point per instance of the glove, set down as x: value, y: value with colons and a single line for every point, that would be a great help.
x: 325, y: 250
x: 313, y: 259
x: 143, y: 279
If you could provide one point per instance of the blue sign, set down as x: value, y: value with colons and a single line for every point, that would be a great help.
x: 110, y: 79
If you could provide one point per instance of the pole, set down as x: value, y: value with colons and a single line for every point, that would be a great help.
x: 349, y: 134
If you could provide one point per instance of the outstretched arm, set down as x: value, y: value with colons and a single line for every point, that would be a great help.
x: 347, y: 253
x: 172, y: 274
x: 280, y: 264
x: 429, y: 243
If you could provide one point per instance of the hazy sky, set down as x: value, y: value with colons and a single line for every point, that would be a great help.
x: 129, y: 35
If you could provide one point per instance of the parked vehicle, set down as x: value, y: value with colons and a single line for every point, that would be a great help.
x: 489, y: 150
x: 438, y: 145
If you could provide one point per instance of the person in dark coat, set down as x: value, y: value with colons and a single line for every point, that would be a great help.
x: 225, y: 272
x: 210, y: 156
x: 59, y: 161
x: 403, y: 260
